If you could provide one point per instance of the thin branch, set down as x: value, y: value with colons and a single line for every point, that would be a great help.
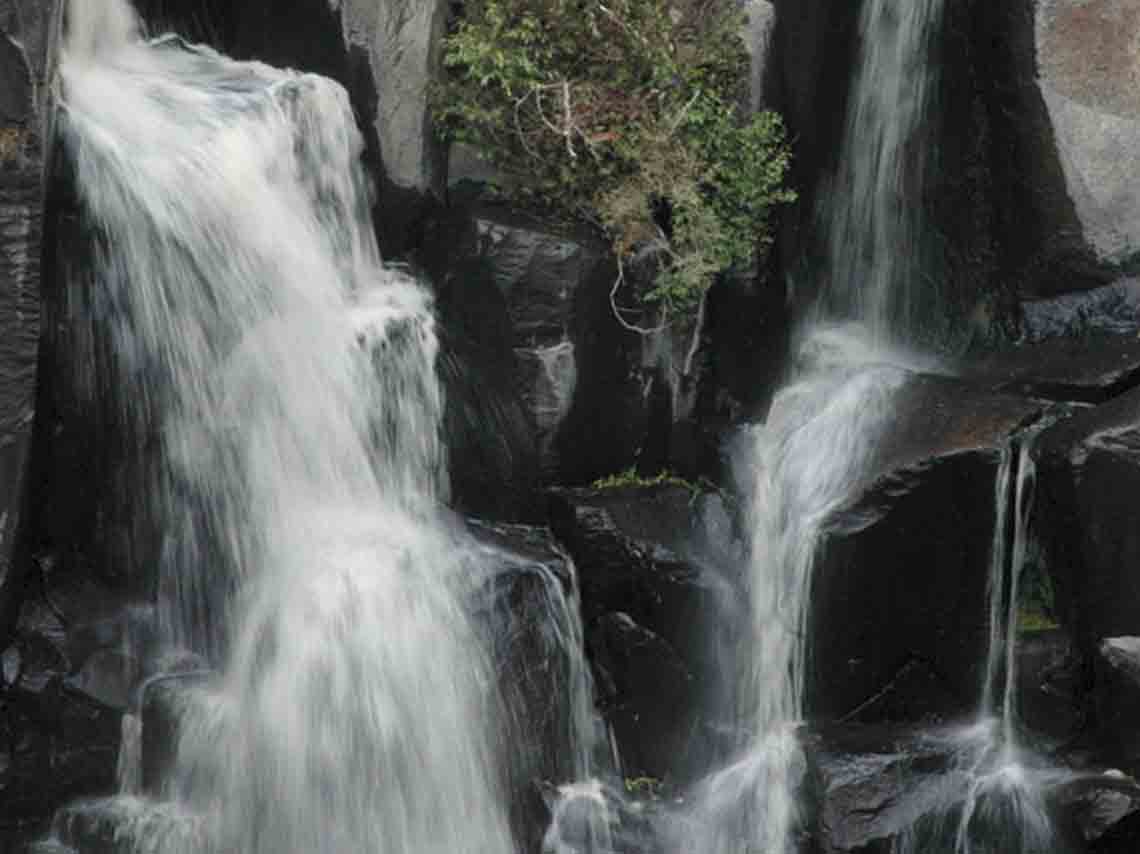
x: 631, y: 327
x: 518, y: 122
x: 681, y: 114
x: 569, y: 119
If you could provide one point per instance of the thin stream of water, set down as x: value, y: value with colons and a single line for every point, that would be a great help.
x: 813, y: 453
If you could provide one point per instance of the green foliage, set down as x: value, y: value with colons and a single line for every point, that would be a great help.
x: 630, y: 478
x: 623, y: 113
x: 1034, y: 620
x: 648, y: 788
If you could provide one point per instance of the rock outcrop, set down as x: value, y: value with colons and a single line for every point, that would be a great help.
x: 1068, y: 125
x: 654, y: 590
x: 29, y: 32
x: 898, y: 619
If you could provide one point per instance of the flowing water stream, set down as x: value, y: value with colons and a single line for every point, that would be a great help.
x: 288, y: 380
x: 809, y: 458
x: 999, y: 806
x: 812, y: 456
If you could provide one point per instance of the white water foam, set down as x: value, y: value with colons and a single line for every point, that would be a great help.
x: 289, y: 382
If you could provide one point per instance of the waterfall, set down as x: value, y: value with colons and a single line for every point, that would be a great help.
x: 1000, y: 807
x: 814, y: 452
x: 873, y: 217
x: 287, y: 379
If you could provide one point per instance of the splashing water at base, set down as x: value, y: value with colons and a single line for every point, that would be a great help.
x: 288, y: 381
x: 1000, y: 807
x: 799, y: 468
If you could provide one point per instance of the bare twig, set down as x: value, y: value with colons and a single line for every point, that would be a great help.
x: 680, y: 117
x: 625, y: 324
x: 568, y: 128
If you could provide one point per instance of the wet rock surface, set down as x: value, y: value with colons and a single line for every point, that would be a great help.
x: 28, y: 30
x: 874, y: 783
x: 1049, y: 697
x: 1088, y: 369
x: 898, y: 620
x: 68, y: 675
x: 1089, y: 469
x: 527, y: 610
x: 575, y: 369
x: 1093, y: 808
x: 1117, y: 700
x: 650, y: 576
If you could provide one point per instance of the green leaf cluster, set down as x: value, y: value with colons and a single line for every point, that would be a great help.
x: 623, y: 113
x: 629, y: 478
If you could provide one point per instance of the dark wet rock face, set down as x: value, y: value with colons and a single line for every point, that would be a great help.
x: 1117, y: 700
x: 898, y: 620
x: 68, y: 674
x: 1093, y: 368
x: 1096, y: 810
x: 647, y: 558
x: 874, y: 785
x: 1048, y: 685
x: 536, y: 295
x: 28, y: 30
x: 528, y: 611
x: 1089, y: 474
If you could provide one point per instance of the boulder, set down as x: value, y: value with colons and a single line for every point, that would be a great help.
x: 1117, y: 700
x: 882, y: 786
x: 654, y: 569
x: 123, y: 824
x: 1089, y: 468
x: 540, y: 292
x: 69, y: 674
x: 1069, y: 124
x: 1095, y: 114
x: 527, y: 609
x: 59, y: 745
x: 899, y: 614
x: 1111, y: 308
x: 1096, y: 810
x: 873, y: 784
x: 1122, y: 838
x: 28, y: 34
x: 165, y: 700
x: 1091, y: 368
x: 1049, y: 701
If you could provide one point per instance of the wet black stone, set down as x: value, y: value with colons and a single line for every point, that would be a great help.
x: 1089, y: 472
x: 657, y: 602
x: 898, y: 616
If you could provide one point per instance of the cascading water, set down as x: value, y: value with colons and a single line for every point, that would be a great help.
x: 813, y: 453
x: 873, y: 217
x: 290, y: 380
x: 1000, y: 807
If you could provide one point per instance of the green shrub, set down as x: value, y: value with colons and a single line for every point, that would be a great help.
x: 623, y: 113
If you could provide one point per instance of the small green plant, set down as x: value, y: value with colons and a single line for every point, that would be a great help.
x: 1034, y: 620
x: 623, y: 113
x: 629, y: 478
x: 644, y: 787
